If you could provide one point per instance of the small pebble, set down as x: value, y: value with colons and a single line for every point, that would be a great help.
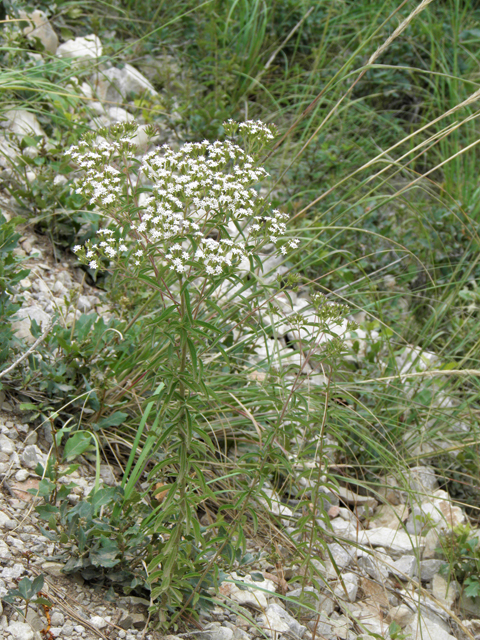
x: 21, y: 475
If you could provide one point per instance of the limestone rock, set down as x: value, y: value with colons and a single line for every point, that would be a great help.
x: 215, y: 631
x: 255, y: 595
x: 115, y: 84
x: 429, y: 568
x: 431, y: 544
x: 390, y: 491
x: 32, y: 456
x: 6, y: 445
x: 20, y: 631
x: 437, y: 509
x: 425, y: 629
x: 273, y: 504
x: 25, y: 315
x: 373, y: 567
x: 98, y: 622
x: 349, y: 588
x: 444, y: 591
x: 22, y: 123
x: 389, y: 515
x: 40, y: 28
x: 356, y: 500
x: 308, y: 602
x: 423, y: 479
x: 81, y: 49
x: 391, y: 539
x: 276, y: 620
x: 402, y: 615
x: 53, y: 568
x: 118, y: 114
x: 405, y: 567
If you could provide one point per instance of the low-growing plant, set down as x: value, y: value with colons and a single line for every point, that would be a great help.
x: 29, y: 591
x: 461, y: 550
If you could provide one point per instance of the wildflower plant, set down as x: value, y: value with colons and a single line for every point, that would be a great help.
x: 190, y: 224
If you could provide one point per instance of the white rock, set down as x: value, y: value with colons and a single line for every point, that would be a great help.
x: 214, y: 632
x: 370, y: 618
x: 53, y: 568
x: 4, y: 551
x: 117, y: 114
x: 6, y: 445
x: 58, y: 619
x: 414, y: 359
x: 423, y: 479
x: 431, y: 544
x: 116, y: 84
x: 5, y: 521
x: 25, y: 315
x: 83, y: 304
x: 355, y: 499
x: 441, y: 512
x: 429, y: 568
x: 141, y: 139
x: 22, y: 123
x: 444, y: 591
x: 405, y: 567
x: 11, y: 573
x: 21, y: 475
x: 402, y: 615
x: 349, y: 587
x: 32, y: 456
x: 20, y: 631
x: 98, y: 622
x: 424, y: 629
x: 277, y: 620
x: 40, y: 28
x: 81, y: 49
x: 389, y: 515
x: 107, y: 475
x: 397, y: 541
x: 342, y: 556
x: 59, y: 287
x: 391, y: 491
x: 374, y: 567
x: 308, y: 602
x: 255, y: 595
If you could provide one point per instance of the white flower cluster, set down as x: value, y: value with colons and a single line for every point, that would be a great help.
x: 102, y: 182
x: 274, y: 227
x: 257, y: 128
x: 198, y: 195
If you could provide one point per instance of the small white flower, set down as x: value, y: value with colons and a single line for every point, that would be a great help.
x: 93, y: 264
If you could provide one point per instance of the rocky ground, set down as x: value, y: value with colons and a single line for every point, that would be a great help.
x: 387, y: 572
